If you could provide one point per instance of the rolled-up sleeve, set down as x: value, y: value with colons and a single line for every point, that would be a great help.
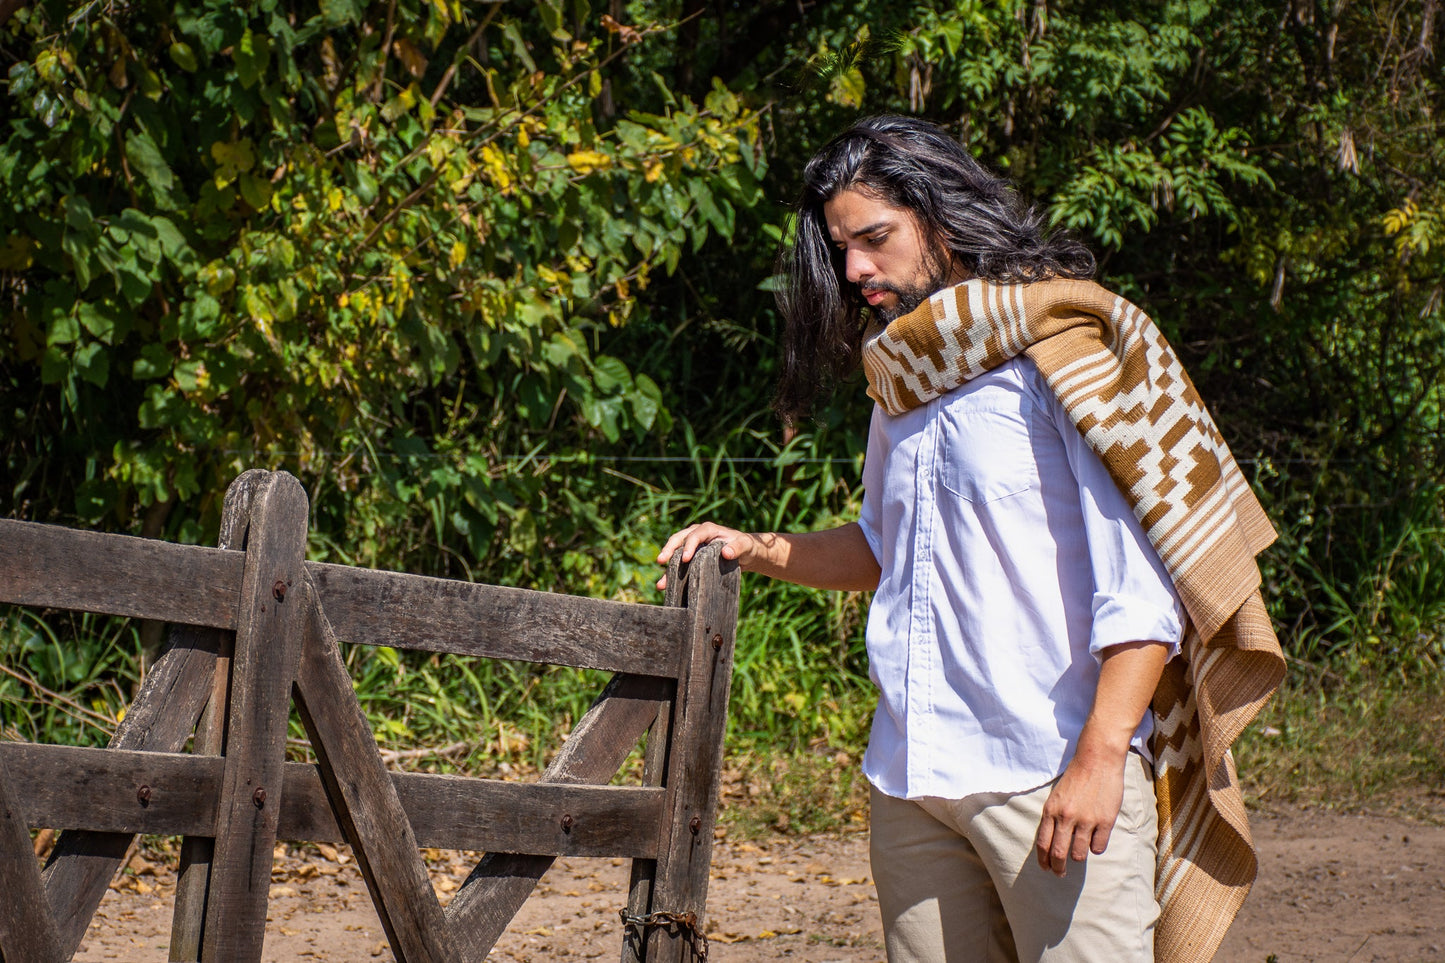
x: 1134, y: 597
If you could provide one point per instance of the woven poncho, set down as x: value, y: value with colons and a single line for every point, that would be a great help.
x: 1125, y: 390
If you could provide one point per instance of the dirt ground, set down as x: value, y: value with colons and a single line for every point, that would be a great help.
x: 1332, y: 887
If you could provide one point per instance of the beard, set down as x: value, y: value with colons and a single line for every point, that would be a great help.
x: 911, y: 296
x: 908, y: 299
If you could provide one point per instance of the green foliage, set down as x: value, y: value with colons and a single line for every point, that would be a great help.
x: 65, y: 678
x: 800, y: 671
x: 281, y: 235
x: 492, y: 280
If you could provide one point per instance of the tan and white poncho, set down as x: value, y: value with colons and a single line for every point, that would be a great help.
x: 1125, y: 390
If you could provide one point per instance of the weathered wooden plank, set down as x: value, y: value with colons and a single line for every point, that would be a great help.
x: 268, y: 647
x: 27, y: 930
x: 63, y: 568
x: 365, y: 801
x: 488, y: 815
x: 194, y: 875
x: 115, y: 790
x: 654, y: 774
x: 100, y: 789
x: 599, y: 744
x: 695, y: 763
x: 465, y: 618
x: 162, y: 717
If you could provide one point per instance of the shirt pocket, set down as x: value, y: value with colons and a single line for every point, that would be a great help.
x: 987, y: 449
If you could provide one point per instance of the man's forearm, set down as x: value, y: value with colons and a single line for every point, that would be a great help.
x: 837, y: 558
x: 1080, y: 812
x: 1128, y: 676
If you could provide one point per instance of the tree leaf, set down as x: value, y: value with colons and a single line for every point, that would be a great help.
x: 232, y: 159
x: 146, y: 157
x: 253, y: 56
x: 586, y: 161
x: 611, y: 375
x: 99, y: 323
x: 64, y: 329
x: 256, y: 190
x: 92, y: 362
x: 846, y: 87
x: 551, y: 14
x: 183, y: 56
x: 134, y: 284
x: 411, y: 58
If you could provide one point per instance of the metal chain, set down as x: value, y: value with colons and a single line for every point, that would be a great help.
x: 686, y: 924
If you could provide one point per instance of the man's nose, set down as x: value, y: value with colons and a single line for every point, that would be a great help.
x: 859, y: 267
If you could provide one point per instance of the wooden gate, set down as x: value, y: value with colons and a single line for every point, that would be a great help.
x: 255, y: 627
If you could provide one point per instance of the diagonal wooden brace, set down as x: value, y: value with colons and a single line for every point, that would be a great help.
x: 598, y: 746
x: 27, y: 930
x: 365, y: 799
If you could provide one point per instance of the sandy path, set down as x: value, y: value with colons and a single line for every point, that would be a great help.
x: 1332, y: 887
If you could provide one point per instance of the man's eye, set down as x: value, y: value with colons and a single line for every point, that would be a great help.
x: 877, y: 239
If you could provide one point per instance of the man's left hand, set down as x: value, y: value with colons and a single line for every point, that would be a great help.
x: 1079, y: 814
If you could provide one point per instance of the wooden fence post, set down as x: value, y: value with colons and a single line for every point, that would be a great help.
x: 654, y: 773
x: 679, y: 889
x: 194, y: 874
x: 268, y: 647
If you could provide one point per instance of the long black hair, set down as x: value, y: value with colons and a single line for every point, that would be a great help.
x: 971, y: 214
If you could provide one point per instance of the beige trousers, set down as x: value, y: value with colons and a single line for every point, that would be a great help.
x: 958, y: 881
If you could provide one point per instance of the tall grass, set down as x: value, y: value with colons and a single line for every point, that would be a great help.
x: 1374, y: 604
x: 65, y: 677
x: 800, y: 672
x: 800, y: 677
x: 801, y: 700
x: 1344, y: 743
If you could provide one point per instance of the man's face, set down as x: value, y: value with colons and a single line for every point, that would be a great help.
x: 885, y: 252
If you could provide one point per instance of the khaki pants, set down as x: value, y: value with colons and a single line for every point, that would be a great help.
x: 958, y: 880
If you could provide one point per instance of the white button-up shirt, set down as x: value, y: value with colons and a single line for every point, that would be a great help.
x: 1010, y: 560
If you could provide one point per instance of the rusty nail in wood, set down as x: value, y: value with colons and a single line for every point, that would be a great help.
x: 259, y: 796
x: 566, y: 824
x: 695, y: 825
x: 143, y: 795
x: 717, y: 641
x: 279, y: 590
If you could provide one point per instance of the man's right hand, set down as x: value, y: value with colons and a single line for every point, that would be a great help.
x: 835, y: 558
x: 737, y: 545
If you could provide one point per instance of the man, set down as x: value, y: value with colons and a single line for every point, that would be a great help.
x: 1049, y: 518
